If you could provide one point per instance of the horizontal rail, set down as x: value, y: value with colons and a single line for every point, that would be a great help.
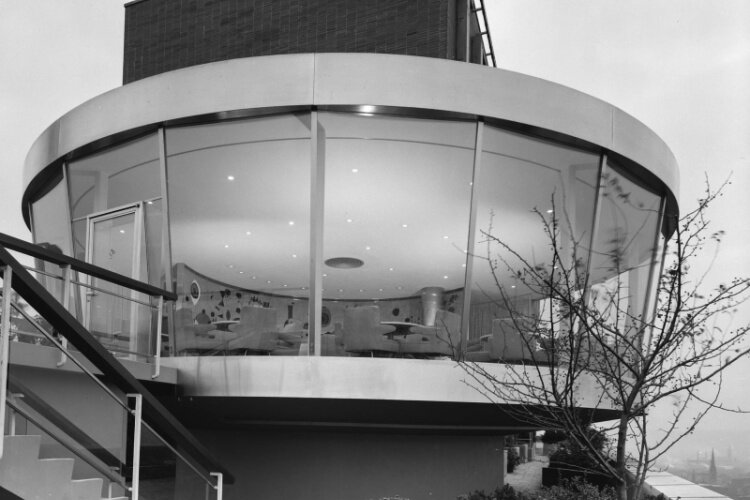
x: 57, y: 419
x: 171, y: 429
x: 32, y: 250
x: 76, y: 361
x: 83, y: 454
x: 205, y: 477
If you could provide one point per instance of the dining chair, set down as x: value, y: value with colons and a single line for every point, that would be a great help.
x: 363, y: 333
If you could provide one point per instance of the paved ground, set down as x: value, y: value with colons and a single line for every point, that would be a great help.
x: 527, y: 476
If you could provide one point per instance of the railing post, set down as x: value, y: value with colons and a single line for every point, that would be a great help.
x: 219, y: 484
x: 135, y: 482
x: 5, y: 344
x: 66, y: 304
x: 157, y: 355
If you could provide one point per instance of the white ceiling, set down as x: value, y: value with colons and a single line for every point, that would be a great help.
x: 381, y: 174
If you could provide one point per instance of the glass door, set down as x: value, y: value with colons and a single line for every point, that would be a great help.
x: 114, y: 314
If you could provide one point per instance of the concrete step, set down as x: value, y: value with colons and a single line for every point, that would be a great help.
x: 19, y: 465
x: 53, y: 477
x: 85, y: 489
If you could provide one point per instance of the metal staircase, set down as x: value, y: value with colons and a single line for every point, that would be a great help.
x: 133, y: 448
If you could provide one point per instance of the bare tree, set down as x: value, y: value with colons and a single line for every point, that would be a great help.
x: 593, y: 341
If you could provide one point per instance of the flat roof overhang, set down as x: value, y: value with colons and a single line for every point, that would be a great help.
x: 359, y: 393
x: 385, y: 83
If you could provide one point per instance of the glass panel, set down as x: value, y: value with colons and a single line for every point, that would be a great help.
x: 51, y: 231
x: 50, y: 217
x: 523, y: 182
x: 153, y: 221
x: 397, y: 205
x: 121, y: 324
x: 124, y: 174
x: 68, y: 408
x: 239, y: 195
x: 166, y: 475
x: 623, y: 251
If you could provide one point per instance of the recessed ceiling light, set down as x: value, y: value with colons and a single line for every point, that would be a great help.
x: 122, y: 231
x: 325, y: 275
x: 348, y: 220
x: 404, y: 225
x: 355, y: 170
x: 242, y: 272
x: 380, y: 289
x: 344, y: 262
x: 445, y: 237
x: 294, y: 255
x: 248, y: 233
x: 341, y: 289
x: 445, y: 277
x: 291, y: 222
x: 512, y: 286
x: 361, y: 290
x: 285, y: 286
x: 226, y: 246
x: 390, y: 269
x: 367, y: 248
x: 268, y: 281
x: 230, y: 177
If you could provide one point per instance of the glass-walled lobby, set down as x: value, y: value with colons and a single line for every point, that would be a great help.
x: 341, y: 233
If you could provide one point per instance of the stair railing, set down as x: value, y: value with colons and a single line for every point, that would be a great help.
x: 76, y: 273
x: 148, y: 414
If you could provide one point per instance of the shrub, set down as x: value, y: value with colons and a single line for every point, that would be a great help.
x: 573, y: 456
x: 574, y: 490
x: 513, y: 460
x: 552, y: 437
x: 505, y: 493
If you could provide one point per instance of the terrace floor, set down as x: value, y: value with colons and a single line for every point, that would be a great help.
x: 528, y: 475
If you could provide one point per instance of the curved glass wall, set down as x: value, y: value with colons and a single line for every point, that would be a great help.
x: 623, y: 255
x: 414, y: 231
x: 396, y: 223
x: 523, y: 185
x: 239, y: 209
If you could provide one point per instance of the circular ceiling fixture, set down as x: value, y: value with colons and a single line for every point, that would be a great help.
x: 344, y: 263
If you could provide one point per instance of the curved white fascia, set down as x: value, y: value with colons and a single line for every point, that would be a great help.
x: 334, y: 79
x: 323, y: 377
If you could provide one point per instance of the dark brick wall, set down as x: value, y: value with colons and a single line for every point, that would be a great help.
x: 162, y: 35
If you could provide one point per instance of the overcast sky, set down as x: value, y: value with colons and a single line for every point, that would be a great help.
x: 682, y: 67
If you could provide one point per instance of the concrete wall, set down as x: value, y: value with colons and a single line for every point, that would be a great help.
x: 162, y: 35
x: 349, y: 465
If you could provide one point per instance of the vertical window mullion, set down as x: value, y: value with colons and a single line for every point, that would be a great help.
x: 471, y: 238
x: 317, y: 212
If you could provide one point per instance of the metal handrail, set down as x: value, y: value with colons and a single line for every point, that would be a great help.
x: 32, y: 250
x: 83, y: 454
x: 40, y: 299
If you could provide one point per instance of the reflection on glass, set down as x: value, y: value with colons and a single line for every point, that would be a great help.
x: 121, y: 324
x: 51, y: 231
x: 239, y: 195
x: 397, y: 199
x: 623, y: 251
x: 118, y: 176
x: 524, y: 182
